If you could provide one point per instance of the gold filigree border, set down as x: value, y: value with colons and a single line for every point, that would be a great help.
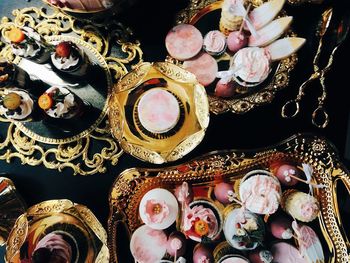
x: 191, y: 14
x: 132, y: 184
x: 107, y: 40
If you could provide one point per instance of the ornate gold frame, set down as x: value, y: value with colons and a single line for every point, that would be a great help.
x: 75, y: 153
x: 196, y: 10
x: 196, y: 119
x: 132, y: 184
x: 49, y: 208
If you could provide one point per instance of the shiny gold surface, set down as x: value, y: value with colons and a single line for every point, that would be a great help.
x: 74, y: 153
x: 11, y: 206
x: 160, y: 148
x: 132, y: 184
x: 200, y: 8
x: 33, y: 224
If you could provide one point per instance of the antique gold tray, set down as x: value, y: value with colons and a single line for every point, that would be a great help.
x: 231, y: 165
x: 205, y: 15
x: 155, y: 147
x: 113, y: 51
x: 59, y: 216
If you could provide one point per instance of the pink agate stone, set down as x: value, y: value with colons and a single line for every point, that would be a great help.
x: 143, y: 243
x: 158, y: 110
x: 204, y: 67
x: 184, y: 41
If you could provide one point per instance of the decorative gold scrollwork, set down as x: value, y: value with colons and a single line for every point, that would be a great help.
x: 119, y: 52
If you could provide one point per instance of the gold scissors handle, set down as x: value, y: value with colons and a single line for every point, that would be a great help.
x: 320, y: 117
x: 292, y: 107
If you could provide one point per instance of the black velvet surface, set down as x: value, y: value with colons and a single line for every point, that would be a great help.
x: 151, y: 20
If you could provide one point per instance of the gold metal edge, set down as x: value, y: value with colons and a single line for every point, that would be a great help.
x: 16, y: 238
x: 175, y: 73
x: 316, y: 151
x: 131, y: 81
x: 92, y: 223
x: 19, y: 232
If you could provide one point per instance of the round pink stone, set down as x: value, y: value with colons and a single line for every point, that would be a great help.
x: 204, y: 67
x: 158, y: 110
x: 184, y: 41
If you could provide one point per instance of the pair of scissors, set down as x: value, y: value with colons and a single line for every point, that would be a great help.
x: 320, y: 117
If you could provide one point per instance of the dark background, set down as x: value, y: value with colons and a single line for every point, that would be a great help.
x: 151, y: 20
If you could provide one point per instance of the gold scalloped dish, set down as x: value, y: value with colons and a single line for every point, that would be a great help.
x: 182, y: 137
x: 77, y: 222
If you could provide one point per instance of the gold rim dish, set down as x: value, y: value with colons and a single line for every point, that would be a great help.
x: 179, y: 137
x: 77, y: 222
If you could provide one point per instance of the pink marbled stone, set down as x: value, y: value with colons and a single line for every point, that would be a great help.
x: 158, y: 110
x: 184, y: 41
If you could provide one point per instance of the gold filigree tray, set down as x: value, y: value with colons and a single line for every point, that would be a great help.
x: 202, y: 173
x: 75, y: 222
x: 179, y: 140
x: 205, y: 15
x: 114, y: 52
